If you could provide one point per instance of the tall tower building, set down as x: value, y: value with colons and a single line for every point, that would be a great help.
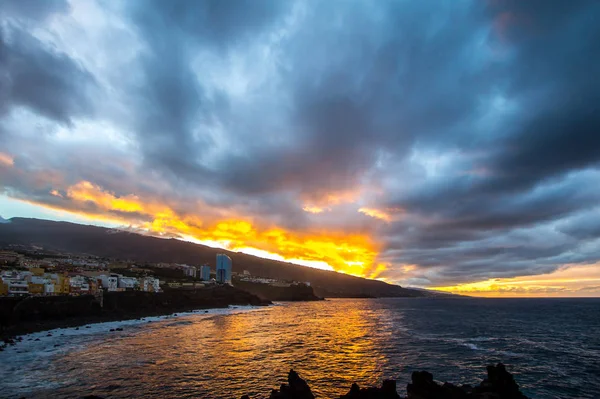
x: 205, y: 272
x: 223, y: 269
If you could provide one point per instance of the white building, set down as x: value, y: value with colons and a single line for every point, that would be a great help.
x: 110, y: 283
x: 80, y: 284
x: 46, y: 280
x: 150, y: 284
x: 189, y: 271
x: 128, y: 283
x: 17, y: 287
x: 49, y: 288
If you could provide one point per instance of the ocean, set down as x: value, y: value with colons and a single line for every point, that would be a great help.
x: 552, y: 347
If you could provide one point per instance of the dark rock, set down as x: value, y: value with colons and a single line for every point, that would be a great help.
x: 387, y: 391
x: 56, y: 345
x: 48, y: 335
x: 118, y: 329
x: 296, y: 388
x: 112, y: 329
x: 88, y: 326
x: 37, y: 339
x: 500, y: 384
x: 76, y: 328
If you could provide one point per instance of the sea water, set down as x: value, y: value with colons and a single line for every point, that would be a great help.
x: 552, y: 346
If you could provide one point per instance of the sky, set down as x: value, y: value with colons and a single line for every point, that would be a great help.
x: 446, y: 145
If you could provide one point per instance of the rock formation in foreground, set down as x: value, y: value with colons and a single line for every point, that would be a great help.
x: 499, y: 384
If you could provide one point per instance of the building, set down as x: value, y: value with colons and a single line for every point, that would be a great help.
x: 189, y: 271
x: 35, y: 289
x: 7, y: 257
x: 62, y: 283
x: 109, y: 283
x: 79, y: 285
x: 150, y: 284
x: 205, y: 273
x: 128, y: 283
x: 223, y: 269
x: 18, y: 287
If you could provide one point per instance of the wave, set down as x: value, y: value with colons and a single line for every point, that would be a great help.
x: 36, y: 350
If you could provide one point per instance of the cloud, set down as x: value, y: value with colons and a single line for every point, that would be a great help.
x: 32, y: 9
x: 477, y: 120
x: 42, y: 79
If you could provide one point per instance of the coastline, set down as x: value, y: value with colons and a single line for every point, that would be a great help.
x: 31, y: 328
x: 19, y: 317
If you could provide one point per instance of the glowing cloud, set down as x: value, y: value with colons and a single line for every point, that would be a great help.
x: 6, y: 159
x: 386, y: 215
x: 312, y: 209
x: 567, y: 281
x: 348, y: 253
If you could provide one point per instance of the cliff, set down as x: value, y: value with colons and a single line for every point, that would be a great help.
x: 269, y: 292
x: 30, y: 314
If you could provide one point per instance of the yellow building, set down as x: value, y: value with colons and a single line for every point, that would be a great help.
x: 3, y: 288
x: 93, y: 286
x: 62, y: 285
x: 35, y: 289
x: 37, y: 271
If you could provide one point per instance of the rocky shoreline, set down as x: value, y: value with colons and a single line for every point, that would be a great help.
x: 19, y: 316
x: 499, y: 384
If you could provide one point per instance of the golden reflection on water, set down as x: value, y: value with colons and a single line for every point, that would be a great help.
x: 245, y: 353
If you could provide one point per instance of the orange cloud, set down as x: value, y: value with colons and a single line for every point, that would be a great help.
x: 6, y: 159
x: 312, y: 209
x: 325, y: 202
x: 348, y: 253
x: 387, y: 215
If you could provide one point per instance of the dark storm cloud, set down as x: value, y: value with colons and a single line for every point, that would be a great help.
x: 477, y: 122
x: 366, y: 88
x: 174, y: 109
x: 42, y: 79
x: 535, y: 169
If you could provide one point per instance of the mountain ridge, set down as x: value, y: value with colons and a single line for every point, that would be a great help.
x: 123, y: 244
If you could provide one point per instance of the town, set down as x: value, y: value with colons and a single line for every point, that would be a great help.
x: 30, y: 271
x: 33, y: 271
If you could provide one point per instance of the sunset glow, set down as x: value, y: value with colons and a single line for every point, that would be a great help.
x: 570, y: 280
x: 348, y: 253
x: 436, y: 154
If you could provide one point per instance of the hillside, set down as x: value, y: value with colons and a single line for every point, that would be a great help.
x: 99, y: 241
